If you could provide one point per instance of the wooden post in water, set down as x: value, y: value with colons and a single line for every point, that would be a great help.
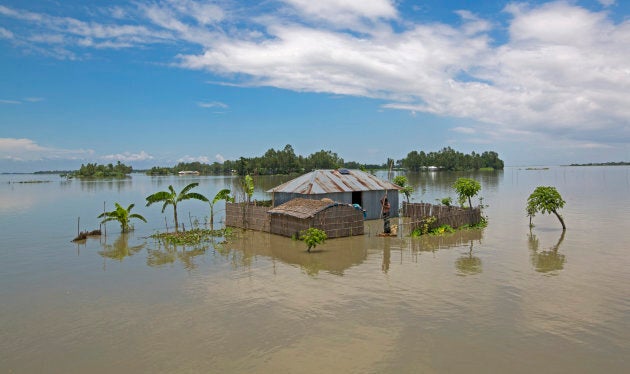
x: 78, y: 223
x: 105, y: 224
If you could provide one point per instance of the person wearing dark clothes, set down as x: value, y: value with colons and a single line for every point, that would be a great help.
x: 385, y: 205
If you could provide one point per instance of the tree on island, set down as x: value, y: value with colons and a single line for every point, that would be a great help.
x: 545, y: 200
x: 122, y: 215
x: 466, y: 188
x: 171, y: 197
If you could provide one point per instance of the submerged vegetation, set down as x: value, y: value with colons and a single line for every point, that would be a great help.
x: 171, y: 197
x: 194, y: 236
x: 122, y: 215
x: 313, y: 237
x: 545, y: 199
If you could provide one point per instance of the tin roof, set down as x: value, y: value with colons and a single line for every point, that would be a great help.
x: 302, y: 208
x: 333, y: 181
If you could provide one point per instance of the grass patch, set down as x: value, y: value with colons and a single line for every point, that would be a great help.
x: 192, y: 237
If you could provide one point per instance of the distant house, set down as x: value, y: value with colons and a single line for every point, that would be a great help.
x: 342, y: 186
x: 188, y: 172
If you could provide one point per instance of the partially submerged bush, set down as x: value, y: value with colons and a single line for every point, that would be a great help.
x: 313, y: 237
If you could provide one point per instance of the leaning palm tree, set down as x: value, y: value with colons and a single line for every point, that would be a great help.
x: 171, y: 197
x: 122, y: 215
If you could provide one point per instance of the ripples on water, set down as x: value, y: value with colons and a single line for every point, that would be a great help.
x: 505, y: 299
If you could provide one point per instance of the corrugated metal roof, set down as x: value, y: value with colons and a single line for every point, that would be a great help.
x: 332, y: 181
x: 302, y: 208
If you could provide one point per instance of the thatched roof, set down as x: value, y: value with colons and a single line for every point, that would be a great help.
x: 333, y: 181
x: 302, y: 208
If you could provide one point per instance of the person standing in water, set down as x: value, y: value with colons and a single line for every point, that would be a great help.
x: 385, y: 209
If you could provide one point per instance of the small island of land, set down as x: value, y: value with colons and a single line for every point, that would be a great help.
x: 620, y: 163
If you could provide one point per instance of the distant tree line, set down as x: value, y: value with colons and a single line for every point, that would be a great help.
x: 611, y: 163
x: 285, y: 161
x: 94, y: 170
x: 281, y: 161
x: 449, y: 159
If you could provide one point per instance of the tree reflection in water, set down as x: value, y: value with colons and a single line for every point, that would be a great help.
x: 166, y: 254
x: 546, y: 261
x: 468, y: 264
x: 120, y: 248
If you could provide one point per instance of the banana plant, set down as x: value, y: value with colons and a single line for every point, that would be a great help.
x: 224, y: 194
x: 122, y: 215
x: 171, y: 197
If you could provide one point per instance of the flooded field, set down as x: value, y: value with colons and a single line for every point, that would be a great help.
x: 502, y: 299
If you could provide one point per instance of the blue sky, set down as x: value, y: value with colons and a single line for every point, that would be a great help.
x: 162, y: 81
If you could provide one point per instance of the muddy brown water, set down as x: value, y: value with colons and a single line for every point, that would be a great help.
x: 503, y: 299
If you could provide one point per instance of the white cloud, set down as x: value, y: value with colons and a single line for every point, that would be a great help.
x: 607, y: 3
x: 219, y: 157
x: 562, y: 71
x: 464, y: 130
x: 345, y: 13
x: 28, y: 150
x: 202, y: 159
x: 34, y: 99
x: 213, y: 104
x: 10, y: 102
x: 128, y: 156
x: 5, y: 34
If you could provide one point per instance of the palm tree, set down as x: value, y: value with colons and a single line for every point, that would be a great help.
x: 121, y: 215
x: 224, y: 194
x: 171, y: 197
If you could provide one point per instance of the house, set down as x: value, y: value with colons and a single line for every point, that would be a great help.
x: 337, y: 220
x: 342, y: 186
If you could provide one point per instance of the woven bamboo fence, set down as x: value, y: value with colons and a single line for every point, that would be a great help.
x: 337, y: 221
x: 444, y: 215
x: 247, y: 216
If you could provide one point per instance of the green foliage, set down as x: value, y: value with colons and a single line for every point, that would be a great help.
x: 466, y: 188
x: 545, y: 200
x: 224, y: 194
x: 449, y: 159
x: 424, y: 228
x: 122, y: 215
x: 441, y: 230
x: 313, y: 237
x: 192, y: 237
x: 247, y: 184
x: 446, y: 201
x: 171, y: 197
x: 102, y: 171
x: 401, y: 181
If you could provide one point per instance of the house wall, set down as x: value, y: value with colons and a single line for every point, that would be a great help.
x: 370, y: 200
x: 336, y: 221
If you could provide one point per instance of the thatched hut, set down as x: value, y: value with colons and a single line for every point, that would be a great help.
x: 341, y: 185
x: 336, y: 219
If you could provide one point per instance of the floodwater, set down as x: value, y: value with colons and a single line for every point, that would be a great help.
x: 504, y: 299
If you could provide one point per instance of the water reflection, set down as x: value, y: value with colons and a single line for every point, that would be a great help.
x: 430, y: 243
x: 120, y: 249
x: 167, y: 254
x: 430, y: 185
x: 549, y: 260
x: 114, y: 184
x: 468, y: 264
x: 334, y: 256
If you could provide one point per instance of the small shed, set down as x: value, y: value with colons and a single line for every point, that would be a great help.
x: 337, y: 220
x: 341, y: 185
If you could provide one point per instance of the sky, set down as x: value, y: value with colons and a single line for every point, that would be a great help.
x: 157, y: 82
